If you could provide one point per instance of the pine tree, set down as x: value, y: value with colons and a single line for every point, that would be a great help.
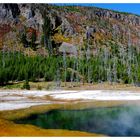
x: 47, y: 33
x: 24, y: 40
x: 26, y: 85
x: 33, y: 39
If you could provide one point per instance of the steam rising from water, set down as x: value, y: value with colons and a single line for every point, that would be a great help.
x: 127, y: 123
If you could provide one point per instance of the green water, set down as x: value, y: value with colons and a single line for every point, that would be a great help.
x: 112, y: 121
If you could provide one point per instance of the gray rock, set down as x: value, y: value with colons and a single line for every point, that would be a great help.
x: 68, y: 48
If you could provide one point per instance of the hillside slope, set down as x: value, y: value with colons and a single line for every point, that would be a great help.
x: 72, y: 24
x: 68, y: 43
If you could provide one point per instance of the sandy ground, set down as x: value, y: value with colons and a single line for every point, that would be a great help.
x: 18, y: 99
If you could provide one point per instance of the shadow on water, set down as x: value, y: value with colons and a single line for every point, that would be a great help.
x: 112, y: 121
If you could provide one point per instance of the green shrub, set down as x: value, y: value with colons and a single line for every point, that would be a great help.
x: 39, y: 87
x: 26, y: 85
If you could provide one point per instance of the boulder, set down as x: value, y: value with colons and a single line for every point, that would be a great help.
x: 68, y: 48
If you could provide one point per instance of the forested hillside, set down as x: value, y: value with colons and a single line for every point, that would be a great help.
x: 43, y: 42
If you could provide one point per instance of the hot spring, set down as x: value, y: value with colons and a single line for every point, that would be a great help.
x: 111, y: 121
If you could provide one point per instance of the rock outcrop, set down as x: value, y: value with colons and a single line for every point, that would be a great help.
x: 99, y: 26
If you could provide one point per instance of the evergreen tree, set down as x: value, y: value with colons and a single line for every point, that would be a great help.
x: 26, y: 85
x: 47, y: 33
x: 33, y: 40
x: 24, y: 40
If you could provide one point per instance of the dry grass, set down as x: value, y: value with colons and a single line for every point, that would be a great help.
x: 74, y: 86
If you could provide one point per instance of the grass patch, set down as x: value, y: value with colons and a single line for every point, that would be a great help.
x: 13, y: 86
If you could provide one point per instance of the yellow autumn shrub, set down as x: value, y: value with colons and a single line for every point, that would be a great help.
x: 58, y: 38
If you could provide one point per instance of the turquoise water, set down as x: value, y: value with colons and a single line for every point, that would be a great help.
x: 112, y: 121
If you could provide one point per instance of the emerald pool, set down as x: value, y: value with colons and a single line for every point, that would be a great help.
x: 111, y: 121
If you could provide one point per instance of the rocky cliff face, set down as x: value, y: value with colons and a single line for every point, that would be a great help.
x: 127, y: 18
x: 71, y: 24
